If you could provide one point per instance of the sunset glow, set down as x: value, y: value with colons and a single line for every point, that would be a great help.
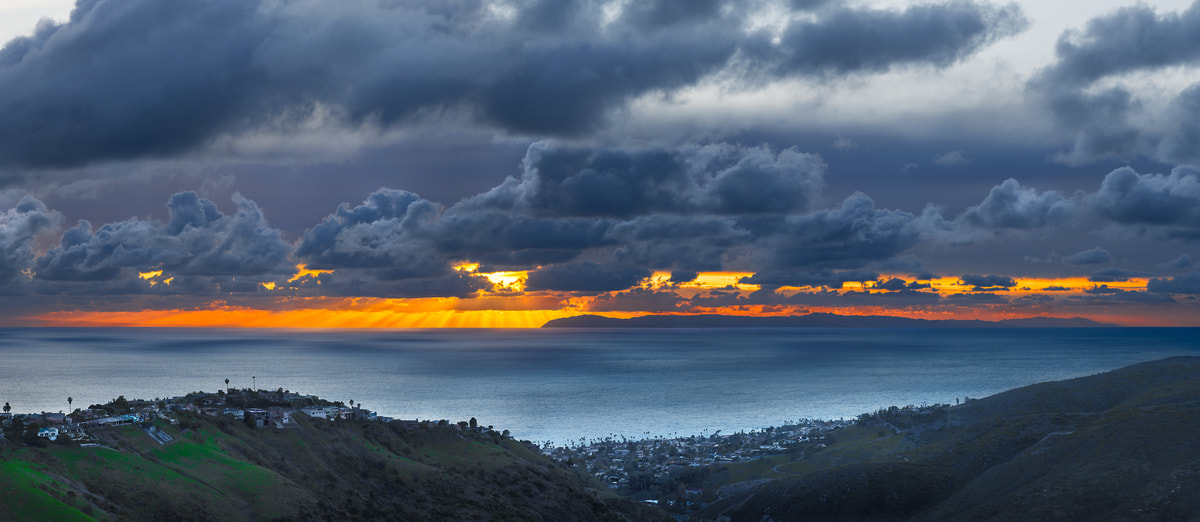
x: 507, y: 305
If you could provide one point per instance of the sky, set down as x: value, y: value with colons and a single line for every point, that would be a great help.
x: 474, y: 163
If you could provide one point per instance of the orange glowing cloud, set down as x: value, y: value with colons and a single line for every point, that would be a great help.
x: 508, y: 306
x: 305, y: 318
x: 302, y: 272
x: 503, y: 281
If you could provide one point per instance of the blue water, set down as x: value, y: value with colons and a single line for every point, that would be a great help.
x: 563, y: 385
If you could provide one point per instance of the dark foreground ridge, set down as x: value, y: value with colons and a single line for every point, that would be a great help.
x: 1120, y: 445
x: 813, y: 320
x: 1116, y: 446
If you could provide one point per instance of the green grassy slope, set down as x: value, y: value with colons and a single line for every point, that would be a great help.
x: 321, y: 470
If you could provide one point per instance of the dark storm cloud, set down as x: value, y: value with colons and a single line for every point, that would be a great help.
x: 1188, y: 283
x: 897, y: 284
x: 452, y: 284
x: 1115, y: 275
x: 723, y: 298
x: 622, y: 182
x: 1160, y: 205
x: 126, y: 79
x: 681, y: 276
x: 906, y: 263
x: 386, y: 231
x: 585, y: 276
x: 1182, y: 143
x: 638, y: 300
x: 140, y: 78
x: 1168, y: 201
x: 1179, y: 263
x: 550, y: 16
x: 19, y: 227
x: 849, y: 40
x: 198, y: 240
x: 657, y: 208
x: 1130, y: 39
x: 826, y: 278
x: 850, y: 236
x: 652, y: 14
x: 1094, y: 256
x: 987, y: 282
x: 688, y: 255
x: 1012, y: 206
x: 569, y: 89
x: 694, y: 208
x: 807, y: 5
x: 1101, y: 123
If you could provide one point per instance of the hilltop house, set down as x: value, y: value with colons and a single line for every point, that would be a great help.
x: 279, y: 416
x: 322, y: 412
x: 257, y: 417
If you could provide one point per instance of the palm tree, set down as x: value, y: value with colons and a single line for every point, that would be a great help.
x: 69, y: 401
x: 7, y: 408
x: 227, y: 384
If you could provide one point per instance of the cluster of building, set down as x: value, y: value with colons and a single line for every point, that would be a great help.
x: 253, y: 407
x: 75, y: 426
x: 620, y: 463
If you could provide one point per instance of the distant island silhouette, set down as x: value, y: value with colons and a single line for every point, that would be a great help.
x: 813, y: 320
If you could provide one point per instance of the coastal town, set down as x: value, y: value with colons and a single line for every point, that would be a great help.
x: 671, y: 474
x: 663, y: 471
x: 257, y: 408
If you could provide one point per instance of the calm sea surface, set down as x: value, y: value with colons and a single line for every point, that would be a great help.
x: 561, y: 385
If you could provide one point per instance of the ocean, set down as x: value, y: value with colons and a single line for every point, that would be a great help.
x: 564, y: 385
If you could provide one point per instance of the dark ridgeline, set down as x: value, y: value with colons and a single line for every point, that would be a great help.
x: 1115, y: 446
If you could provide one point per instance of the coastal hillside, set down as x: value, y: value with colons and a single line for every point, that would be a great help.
x: 219, y: 468
x: 1116, y: 446
x: 1120, y: 445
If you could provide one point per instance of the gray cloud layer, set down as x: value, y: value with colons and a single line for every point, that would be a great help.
x: 19, y: 227
x: 1132, y: 39
x: 140, y: 78
x: 198, y: 240
x: 591, y: 220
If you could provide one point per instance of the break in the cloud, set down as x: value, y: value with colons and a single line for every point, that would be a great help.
x: 137, y: 78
